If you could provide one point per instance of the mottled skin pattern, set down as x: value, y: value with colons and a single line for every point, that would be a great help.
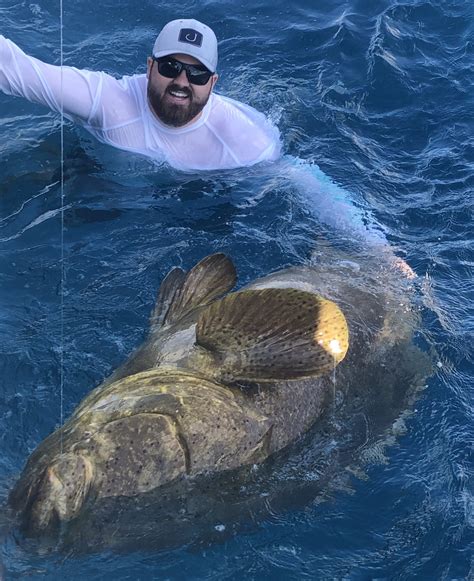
x: 137, y: 434
x: 167, y: 413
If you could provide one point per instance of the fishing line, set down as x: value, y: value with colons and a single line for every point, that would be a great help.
x: 61, y: 359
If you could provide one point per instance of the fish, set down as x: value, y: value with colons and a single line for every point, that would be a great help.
x: 224, y: 381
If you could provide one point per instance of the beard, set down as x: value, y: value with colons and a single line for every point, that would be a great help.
x: 172, y: 113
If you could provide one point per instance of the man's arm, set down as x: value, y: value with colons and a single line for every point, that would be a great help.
x: 334, y: 207
x: 77, y: 91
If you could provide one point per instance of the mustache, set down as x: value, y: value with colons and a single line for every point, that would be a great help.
x: 175, y: 87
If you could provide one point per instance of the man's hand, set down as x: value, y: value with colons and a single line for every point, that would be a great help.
x: 404, y: 267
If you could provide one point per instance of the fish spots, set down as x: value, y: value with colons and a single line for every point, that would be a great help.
x: 271, y: 334
x: 143, y: 453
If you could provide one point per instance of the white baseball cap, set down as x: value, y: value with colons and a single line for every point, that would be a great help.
x: 191, y: 37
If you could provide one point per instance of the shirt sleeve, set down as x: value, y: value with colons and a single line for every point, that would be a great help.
x: 77, y: 91
x: 332, y: 204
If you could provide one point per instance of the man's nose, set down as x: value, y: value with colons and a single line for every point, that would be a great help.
x: 182, y: 78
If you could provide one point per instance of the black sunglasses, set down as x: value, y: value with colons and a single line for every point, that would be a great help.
x: 171, y: 68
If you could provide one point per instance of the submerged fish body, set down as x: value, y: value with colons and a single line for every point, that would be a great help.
x: 220, y: 384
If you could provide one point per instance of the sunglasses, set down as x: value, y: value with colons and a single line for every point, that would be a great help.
x: 171, y: 68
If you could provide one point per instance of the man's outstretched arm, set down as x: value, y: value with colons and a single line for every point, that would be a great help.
x: 334, y: 207
x: 69, y: 89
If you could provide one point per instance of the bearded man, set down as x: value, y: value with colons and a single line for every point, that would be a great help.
x: 170, y: 114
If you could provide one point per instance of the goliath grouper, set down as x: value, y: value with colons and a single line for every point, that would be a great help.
x: 224, y: 380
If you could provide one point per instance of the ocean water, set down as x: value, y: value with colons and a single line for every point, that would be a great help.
x: 379, y: 96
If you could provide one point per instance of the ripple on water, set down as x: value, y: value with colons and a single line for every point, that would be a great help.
x: 380, y: 99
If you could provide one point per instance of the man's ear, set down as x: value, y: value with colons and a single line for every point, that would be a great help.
x: 214, y: 80
x: 149, y: 64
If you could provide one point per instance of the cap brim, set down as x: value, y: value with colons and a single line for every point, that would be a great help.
x: 164, y: 52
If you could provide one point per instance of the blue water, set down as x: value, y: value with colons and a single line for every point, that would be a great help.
x: 380, y: 96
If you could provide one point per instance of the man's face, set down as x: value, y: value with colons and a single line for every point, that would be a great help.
x: 176, y: 102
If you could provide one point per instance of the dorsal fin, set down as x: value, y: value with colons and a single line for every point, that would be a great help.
x: 182, y: 292
x: 271, y: 334
x: 169, y: 287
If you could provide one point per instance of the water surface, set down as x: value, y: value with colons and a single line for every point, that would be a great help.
x: 379, y: 96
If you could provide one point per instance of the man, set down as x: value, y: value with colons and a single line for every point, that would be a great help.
x: 170, y: 114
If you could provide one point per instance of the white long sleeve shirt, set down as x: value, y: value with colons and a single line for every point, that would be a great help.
x: 228, y: 134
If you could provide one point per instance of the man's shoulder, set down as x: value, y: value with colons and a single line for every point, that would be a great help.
x: 119, y: 101
x: 248, y: 133
x: 225, y: 108
x: 126, y: 88
x: 132, y: 83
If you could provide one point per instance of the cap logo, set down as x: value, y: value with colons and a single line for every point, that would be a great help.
x: 190, y: 36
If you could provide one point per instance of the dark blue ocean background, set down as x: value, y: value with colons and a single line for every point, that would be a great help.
x: 380, y: 96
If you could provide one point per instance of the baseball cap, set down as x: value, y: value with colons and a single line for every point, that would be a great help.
x: 188, y: 36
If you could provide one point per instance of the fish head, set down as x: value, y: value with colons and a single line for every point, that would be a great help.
x: 54, y: 494
x: 134, y: 436
x: 117, y: 446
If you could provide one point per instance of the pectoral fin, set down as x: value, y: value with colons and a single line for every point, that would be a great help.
x: 272, y: 334
x: 182, y: 292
